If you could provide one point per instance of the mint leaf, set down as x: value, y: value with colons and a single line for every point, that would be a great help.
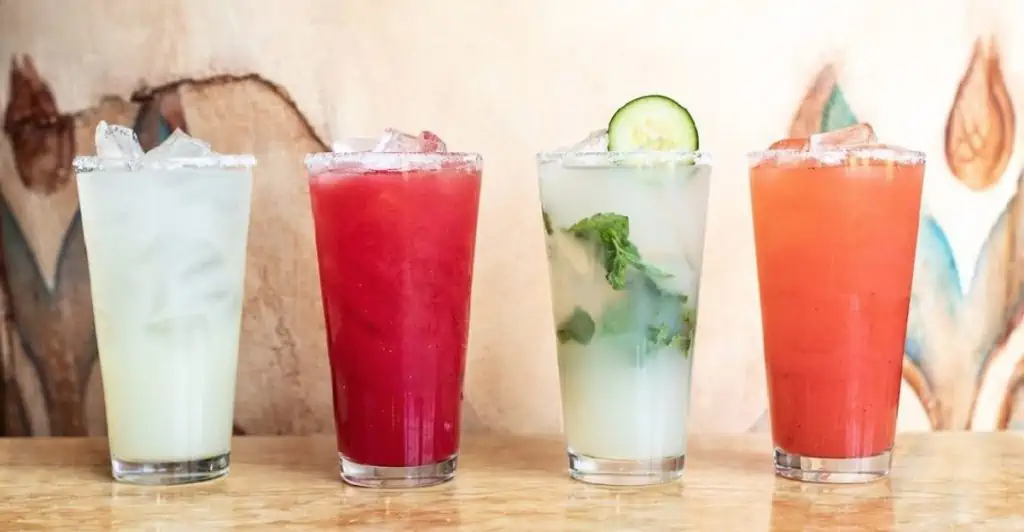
x: 677, y: 323
x: 662, y: 335
x: 689, y: 328
x: 579, y: 327
x: 611, y: 232
x: 648, y: 317
x: 665, y: 335
x: 547, y: 223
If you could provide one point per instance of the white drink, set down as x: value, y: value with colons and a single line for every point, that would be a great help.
x: 617, y: 409
x: 625, y: 351
x: 166, y: 250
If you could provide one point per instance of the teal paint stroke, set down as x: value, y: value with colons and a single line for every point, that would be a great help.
x: 837, y: 113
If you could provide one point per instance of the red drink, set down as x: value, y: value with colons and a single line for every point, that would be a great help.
x: 395, y: 249
x: 836, y: 235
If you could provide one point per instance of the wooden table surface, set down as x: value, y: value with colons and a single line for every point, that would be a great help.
x: 940, y: 481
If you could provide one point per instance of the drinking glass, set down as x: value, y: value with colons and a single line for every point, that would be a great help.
x: 835, y: 233
x: 395, y: 237
x: 625, y: 242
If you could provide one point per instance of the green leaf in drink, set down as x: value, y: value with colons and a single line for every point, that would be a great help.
x: 689, y: 327
x: 579, y: 328
x: 547, y: 223
x: 610, y: 232
x: 662, y: 335
x: 649, y: 315
x: 670, y: 326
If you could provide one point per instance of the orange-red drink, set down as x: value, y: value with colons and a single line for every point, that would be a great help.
x: 835, y: 232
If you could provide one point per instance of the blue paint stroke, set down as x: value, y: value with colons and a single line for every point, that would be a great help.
x: 936, y: 275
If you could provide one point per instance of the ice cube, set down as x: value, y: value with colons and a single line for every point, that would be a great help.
x: 791, y: 144
x: 117, y: 142
x: 596, y: 141
x: 432, y: 142
x: 180, y: 273
x: 394, y: 141
x: 179, y: 145
x: 577, y: 278
x: 848, y: 137
x: 353, y: 145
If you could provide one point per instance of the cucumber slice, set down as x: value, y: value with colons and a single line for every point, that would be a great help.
x: 652, y: 123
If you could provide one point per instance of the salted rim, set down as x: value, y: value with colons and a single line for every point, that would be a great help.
x: 609, y: 158
x: 401, y: 160
x: 83, y: 164
x: 839, y: 155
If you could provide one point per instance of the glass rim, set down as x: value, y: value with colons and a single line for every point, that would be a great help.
x: 389, y: 161
x: 834, y: 154
x: 690, y: 156
x: 95, y: 163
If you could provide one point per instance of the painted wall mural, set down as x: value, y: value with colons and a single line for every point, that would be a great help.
x: 249, y: 83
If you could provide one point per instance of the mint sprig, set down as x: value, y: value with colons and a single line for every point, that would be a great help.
x: 659, y: 318
x: 580, y: 328
x: 610, y: 232
x: 679, y: 335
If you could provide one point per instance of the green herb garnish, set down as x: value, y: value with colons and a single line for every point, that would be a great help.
x: 689, y: 327
x: 647, y: 315
x: 678, y: 331
x: 611, y: 233
x: 547, y: 223
x: 579, y: 327
x: 662, y: 335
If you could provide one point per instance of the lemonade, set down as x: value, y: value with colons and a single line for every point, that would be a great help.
x: 166, y: 239
x: 625, y: 240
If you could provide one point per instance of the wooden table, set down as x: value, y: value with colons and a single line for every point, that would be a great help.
x: 941, y: 481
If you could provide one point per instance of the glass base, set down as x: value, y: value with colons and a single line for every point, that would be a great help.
x: 625, y: 472
x: 168, y: 473
x: 832, y: 470
x: 368, y: 476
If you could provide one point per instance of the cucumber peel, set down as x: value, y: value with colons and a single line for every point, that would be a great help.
x: 652, y: 123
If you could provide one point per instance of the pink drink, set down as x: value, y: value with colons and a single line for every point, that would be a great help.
x: 395, y: 249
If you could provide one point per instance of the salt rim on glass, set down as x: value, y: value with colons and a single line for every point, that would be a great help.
x: 393, y: 151
x: 837, y: 156
x: 592, y: 151
x: 118, y: 149
x: 837, y: 148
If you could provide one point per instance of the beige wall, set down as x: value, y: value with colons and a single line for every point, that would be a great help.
x: 505, y: 78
